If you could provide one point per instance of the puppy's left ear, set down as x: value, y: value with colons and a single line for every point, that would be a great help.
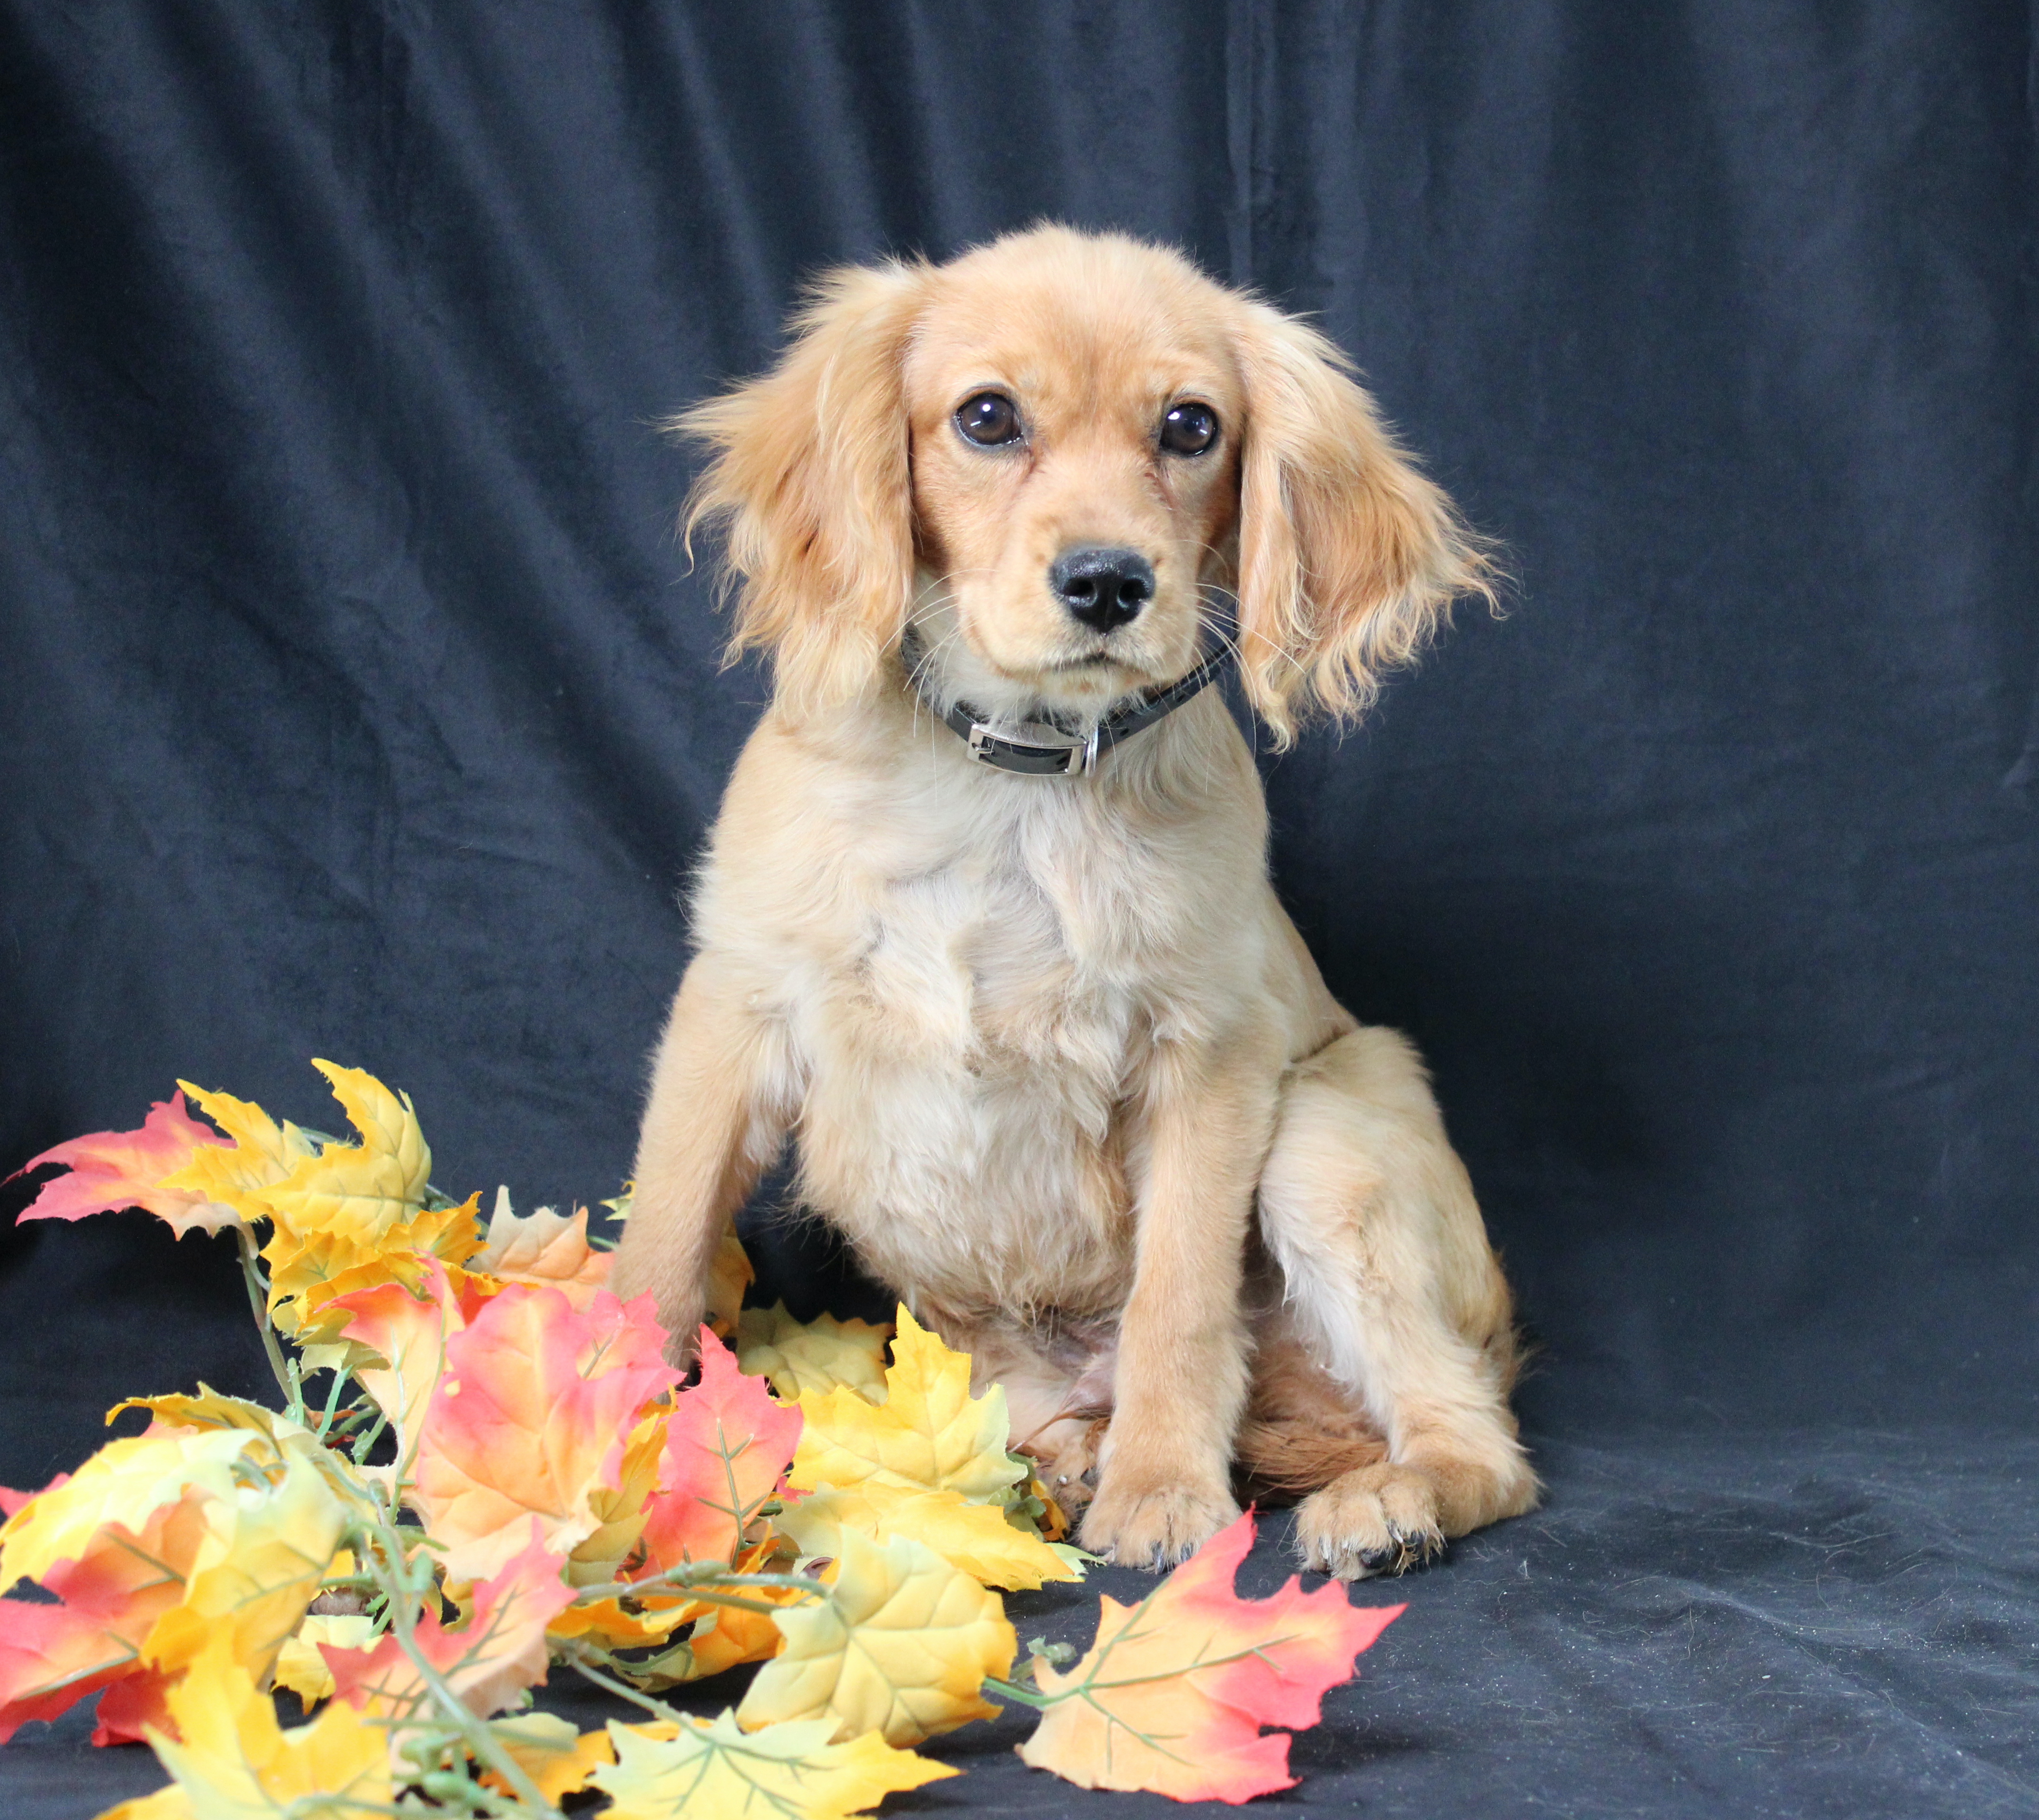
x: 812, y: 480
x: 1349, y: 558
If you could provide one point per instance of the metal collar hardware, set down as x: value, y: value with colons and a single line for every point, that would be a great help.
x: 1039, y: 749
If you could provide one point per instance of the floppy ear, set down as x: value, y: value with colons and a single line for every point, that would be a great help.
x: 812, y: 480
x: 1348, y: 559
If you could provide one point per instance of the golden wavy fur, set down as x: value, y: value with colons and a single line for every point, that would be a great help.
x: 1054, y: 1060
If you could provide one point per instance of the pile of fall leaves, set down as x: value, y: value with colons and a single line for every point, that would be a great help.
x: 501, y: 1475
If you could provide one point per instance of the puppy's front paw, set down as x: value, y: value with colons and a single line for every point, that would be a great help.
x: 1380, y: 1519
x: 1157, y: 1528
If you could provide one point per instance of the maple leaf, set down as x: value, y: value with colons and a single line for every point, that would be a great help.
x: 975, y: 1538
x: 542, y: 1248
x: 1173, y: 1694
x: 399, y: 1336
x: 231, y: 1760
x: 110, y: 1170
x: 258, y: 1153
x: 620, y: 1513
x: 125, y: 1484
x: 558, y: 1758
x: 729, y: 1275
x: 727, y: 1444
x: 110, y: 1596
x: 301, y: 1664
x: 488, y: 1660
x: 811, y: 1358
x: 901, y: 1646
x: 266, y: 1548
x: 531, y: 1418
x: 309, y: 1271
x: 929, y: 1432
x: 703, y: 1769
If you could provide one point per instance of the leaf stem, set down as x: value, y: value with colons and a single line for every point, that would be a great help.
x: 474, y: 1732
x: 582, y: 1667
x: 258, y: 1300
x: 1025, y: 1695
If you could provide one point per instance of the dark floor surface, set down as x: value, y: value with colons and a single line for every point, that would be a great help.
x: 1786, y: 1624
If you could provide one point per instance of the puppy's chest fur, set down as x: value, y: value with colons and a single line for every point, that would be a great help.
x: 970, y: 1043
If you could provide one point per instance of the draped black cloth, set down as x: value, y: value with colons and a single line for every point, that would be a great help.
x: 357, y: 702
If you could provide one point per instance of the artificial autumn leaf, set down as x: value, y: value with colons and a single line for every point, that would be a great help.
x: 111, y: 1170
x: 975, y: 1538
x: 929, y: 1433
x: 729, y: 1275
x: 267, y: 1549
x: 301, y: 1664
x: 614, y: 1625
x: 125, y: 1482
x: 705, y: 1769
x: 363, y: 1188
x: 309, y: 1271
x: 210, y: 1408
x: 488, y: 1662
x: 404, y: 1334
x: 1173, y: 1694
x: 232, y: 1761
x: 811, y: 1358
x: 901, y: 1646
x: 111, y: 1595
x: 531, y: 1418
x: 620, y: 1513
x: 727, y: 1444
x: 557, y: 1756
x: 544, y: 1247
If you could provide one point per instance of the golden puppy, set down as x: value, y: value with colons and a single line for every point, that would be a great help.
x: 990, y: 934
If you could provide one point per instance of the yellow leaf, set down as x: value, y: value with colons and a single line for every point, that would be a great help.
x: 299, y: 1665
x: 929, y: 1433
x: 619, y: 1513
x: 728, y: 1277
x: 261, y: 1154
x: 549, y: 1750
x: 901, y: 1646
x: 268, y: 1549
x: 125, y: 1482
x: 707, y: 1769
x: 811, y: 1358
x: 975, y: 1538
x: 210, y: 1408
x: 233, y: 1761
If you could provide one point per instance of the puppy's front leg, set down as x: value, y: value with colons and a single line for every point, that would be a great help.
x: 718, y: 1113
x: 1182, y: 1351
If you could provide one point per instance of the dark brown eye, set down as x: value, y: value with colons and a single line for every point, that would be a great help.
x: 1189, y: 429
x: 988, y: 420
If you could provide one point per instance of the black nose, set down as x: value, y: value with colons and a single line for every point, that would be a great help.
x: 1102, y: 586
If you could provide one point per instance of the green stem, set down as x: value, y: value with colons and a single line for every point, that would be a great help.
x: 1012, y: 1690
x: 691, y: 1577
x: 331, y: 1403
x: 487, y: 1747
x: 588, y: 1671
x: 258, y: 1300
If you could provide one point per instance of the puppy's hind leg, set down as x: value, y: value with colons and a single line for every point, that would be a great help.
x: 1392, y: 1285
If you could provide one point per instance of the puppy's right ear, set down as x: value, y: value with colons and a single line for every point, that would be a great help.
x: 810, y: 477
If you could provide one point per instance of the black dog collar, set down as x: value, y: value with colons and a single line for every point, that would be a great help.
x: 1061, y: 753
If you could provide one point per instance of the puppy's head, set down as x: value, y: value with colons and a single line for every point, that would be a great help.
x: 1058, y: 455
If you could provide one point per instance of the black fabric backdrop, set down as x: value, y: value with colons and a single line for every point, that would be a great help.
x: 358, y: 703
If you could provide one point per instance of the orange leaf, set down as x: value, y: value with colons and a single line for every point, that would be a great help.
x: 111, y: 1593
x: 110, y: 1170
x: 530, y: 1418
x: 728, y: 1445
x: 543, y: 1248
x: 1173, y: 1694
x: 488, y: 1662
